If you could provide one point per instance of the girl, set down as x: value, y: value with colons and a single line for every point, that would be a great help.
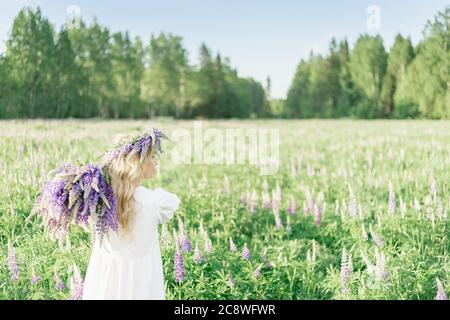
x: 127, y: 264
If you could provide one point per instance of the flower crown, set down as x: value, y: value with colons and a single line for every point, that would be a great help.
x: 138, y: 144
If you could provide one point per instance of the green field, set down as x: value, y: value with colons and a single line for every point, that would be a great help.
x: 344, y: 167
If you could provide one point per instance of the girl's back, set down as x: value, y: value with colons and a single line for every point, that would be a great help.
x: 130, y: 266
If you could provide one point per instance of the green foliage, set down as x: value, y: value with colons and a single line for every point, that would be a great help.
x: 89, y: 72
x: 370, y: 83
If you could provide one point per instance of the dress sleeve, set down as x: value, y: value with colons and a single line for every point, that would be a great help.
x: 167, y: 203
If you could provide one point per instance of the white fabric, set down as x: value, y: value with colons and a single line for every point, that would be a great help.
x: 131, y: 268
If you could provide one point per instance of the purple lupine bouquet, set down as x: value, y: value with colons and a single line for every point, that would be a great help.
x: 82, y: 194
x: 77, y: 195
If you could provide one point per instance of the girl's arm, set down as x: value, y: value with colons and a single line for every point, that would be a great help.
x: 167, y: 203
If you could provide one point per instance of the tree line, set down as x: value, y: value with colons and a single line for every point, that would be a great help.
x: 88, y: 71
x: 369, y: 82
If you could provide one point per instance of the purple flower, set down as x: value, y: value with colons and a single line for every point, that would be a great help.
x: 266, y: 201
x: 392, y: 202
x: 178, y: 266
x: 244, y: 198
x: 346, y: 270
x: 318, y: 214
x: 59, y: 284
x: 34, y: 278
x: 288, y: 225
x: 353, y: 204
x: 253, y: 202
x: 197, y: 254
x: 208, y: 243
x: 381, y: 270
x: 230, y: 280
x: 186, y: 244
x: 440, y: 295
x: 292, y: 208
x: 226, y: 184
x: 257, y: 273
x: 77, y: 193
x: 246, y: 253
x: 233, y: 247
x: 76, y: 284
x: 13, y: 266
x: 376, y: 238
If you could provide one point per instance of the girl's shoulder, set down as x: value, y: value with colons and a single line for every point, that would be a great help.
x: 156, y: 195
x: 165, y: 203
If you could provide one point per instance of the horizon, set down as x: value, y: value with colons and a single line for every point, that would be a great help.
x: 258, y: 60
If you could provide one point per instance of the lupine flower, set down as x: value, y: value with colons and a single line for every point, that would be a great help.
x: 257, y: 273
x: 76, y: 194
x: 13, y: 266
x: 353, y: 204
x: 265, y: 260
x: 246, y: 253
x: 233, y: 247
x: 288, y: 225
x: 266, y: 201
x: 433, y: 187
x: 34, y: 278
x: 186, y: 244
x: 276, y: 211
x: 265, y: 186
x: 176, y: 238
x: 364, y: 233
x: 208, y: 243
x: 440, y: 295
x: 76, y: 284
x: 181, y: 231
x: 292, y: 208
x: 370, y: 266
x: 360, y: 213
x: 244, y: 198
x: 253, y: 202
x: 165, y: 235
x: 230, y: 281
x: 317, y: 214
x: 58, y: 282
x: 178, y: 266
x: 293, y: 170
x: 416, y: 204
x: 376, y: 238
x: 402, y: 207
x: 305, y: 209
x: 278, y: 192
x: 309, y: 201
x: 392, y: 202
x: 440, y: 208
x: 226, y: 184
x: 314, y: 251
x: 346, y: 270
x: 197, y: 254
x: 381, y: 270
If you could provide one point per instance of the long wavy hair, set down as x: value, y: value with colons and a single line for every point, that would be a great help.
x: 126, y: 172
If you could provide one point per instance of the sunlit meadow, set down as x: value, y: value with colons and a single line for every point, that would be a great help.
x: 357, y: 210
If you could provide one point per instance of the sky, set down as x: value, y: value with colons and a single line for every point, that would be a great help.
x: 262, y: 38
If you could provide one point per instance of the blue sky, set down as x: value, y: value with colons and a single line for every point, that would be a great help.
x: 262, y: 38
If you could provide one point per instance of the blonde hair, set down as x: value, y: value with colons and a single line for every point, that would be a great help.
x: 126, y: 171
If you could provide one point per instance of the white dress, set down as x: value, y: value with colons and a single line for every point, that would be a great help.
x: 128, y: 269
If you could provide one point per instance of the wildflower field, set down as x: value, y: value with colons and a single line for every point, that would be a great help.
x: 357, y: 210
